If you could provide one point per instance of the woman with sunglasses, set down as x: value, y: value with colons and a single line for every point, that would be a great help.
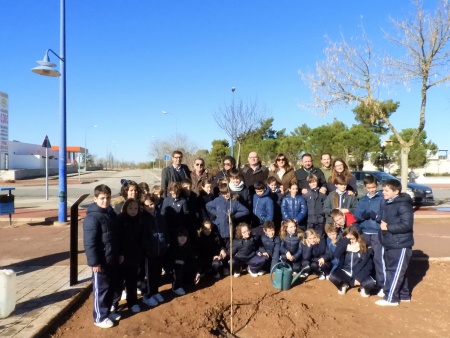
x: 282, y: 171
x: 228, y: 163
x: 198, y: 174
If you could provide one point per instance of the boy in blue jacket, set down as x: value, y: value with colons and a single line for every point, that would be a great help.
x: 101, y: 236
x: 366, y: 213
x: 262, y: 207
x: 397, y: 219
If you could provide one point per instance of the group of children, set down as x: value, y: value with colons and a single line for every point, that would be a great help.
x: 365, y: 244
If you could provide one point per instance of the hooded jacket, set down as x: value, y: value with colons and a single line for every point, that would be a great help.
x: 263, y: 206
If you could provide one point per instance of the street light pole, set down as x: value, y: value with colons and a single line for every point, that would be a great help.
x: 85, y: 146
x: 46, y: 69
x: 233, y: 89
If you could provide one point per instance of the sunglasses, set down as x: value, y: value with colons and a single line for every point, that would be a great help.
x: 199, y: 164
x: 227, y: 163
x: 281, y: 159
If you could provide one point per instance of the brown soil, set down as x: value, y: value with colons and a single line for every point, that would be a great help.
x: 308, y: 309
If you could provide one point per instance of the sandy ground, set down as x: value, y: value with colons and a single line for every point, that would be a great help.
x: 309, y: 309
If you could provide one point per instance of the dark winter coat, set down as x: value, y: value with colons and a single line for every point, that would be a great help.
x: 251, y: 176
x: 131, y: 238
x: 294, y: 207
x: 220, y: 207
x: 367, y: 213
x: 314, y: 201
x: 351, y: 185
x: 176, y: 212
x: 263, y: 206
x: 272, y: 247
x: 287, y: 178
x: 169, y: 174
x: 314, y: 252
x: 101, y: 236
x: 344, y: 201
x: 292, y: 244
x: 358, y: 264
x: 245, y: 248
x: 301, y: 175
x: 399, y: 215
x: 203, y: 199
x: 156, y: 234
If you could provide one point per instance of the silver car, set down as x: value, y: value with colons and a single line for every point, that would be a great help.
x: 419, y: 193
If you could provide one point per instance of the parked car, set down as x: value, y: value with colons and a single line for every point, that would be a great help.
x: 419, y: 193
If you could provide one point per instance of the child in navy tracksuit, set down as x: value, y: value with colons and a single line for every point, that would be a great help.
x: 313, y: 254
x: 397, y: 219
x: 175, y: 209
x: 314, y: 201
x: 355, y: 264
x: 101, y: 237
x: 277, y: 195
x: 293, y: 206
x: 366, y: 213
x: 156, y: 240
x: 243, y: 252
x: 269, y: 247
x: 333, y: 236
x: 211, y: 250
x: 290, y: 246
x: 339, y: 199
x: 262, y: 207
x: 205, y: 195
x: 132, y: 242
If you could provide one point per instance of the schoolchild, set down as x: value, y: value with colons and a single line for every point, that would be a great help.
x: 397, y: 219
x: 314, y: 201
x: 144, y: 188
x: 355, y: 264
x: 175, y: 209
x: 269, y: 247
x: 243, y: 252
x: 339, y: 199
x: 101, y: 237
x: 276, y: 193
x: 366, y: 213
x: 157, y: 192
x: 294, y: 206
x: 314, y: 254
x: 240, y: 191
x: 183, y: 262
x: 129, y: 189
x: 223, y: 208
x: 333, y: 236
x: 211, y: 250
x: 156, y: 240
x: 193, y: 219
x: 205, y: 195
x: 341, y: 220
x: 290, y: 247
x: 262, y: 207
x: 132, y: 243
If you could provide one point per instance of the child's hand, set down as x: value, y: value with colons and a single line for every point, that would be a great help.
x: 197, y: 278
x: 97, y: 268
x: 350, y: 193
x: 323, y: 190
x: 216, y: 258
x: 321, y: 261
x: 383, y: 226
x: 289, y: 256
x: 304, y: 191
x: 223, y: 254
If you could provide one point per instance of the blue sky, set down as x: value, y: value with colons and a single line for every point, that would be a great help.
x: 129, y: 60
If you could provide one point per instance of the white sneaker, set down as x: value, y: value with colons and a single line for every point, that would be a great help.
x: 138, y: 292
x: 363, y: 293
x: 383, y: 302
x: 327, y: 277
x: 252, y: 273
x: 322, y: 277
x: 105, y: 324
x: 135, y: 308
x: 151, y: 301
x: 158, y: 298
x: 304, y: 275
x: 124, y: 295
x: 380, y: 293
x: 405, y: 300
x: 343, y: 289
x: 261, y: 273
x: 179, y: 291
x: 114, y: 316
x: 236, y: 274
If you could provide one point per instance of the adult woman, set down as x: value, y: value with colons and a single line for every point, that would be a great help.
x: 282, y: 171
x: 340, y: 168
x: 228, y: 163
x: 198, y: 174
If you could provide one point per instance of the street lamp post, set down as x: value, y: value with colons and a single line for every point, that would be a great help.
x: 85, y: 146
x: 233, y: 89
x: 176, y: 126
x: 46, y: 69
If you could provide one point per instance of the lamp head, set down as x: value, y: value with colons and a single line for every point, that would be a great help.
x: 45, y: 67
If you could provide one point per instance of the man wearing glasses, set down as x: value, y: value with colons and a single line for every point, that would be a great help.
x: 306, y: 169
x: 176, y: 172
x: 254, y: 171
x: 199, y: 174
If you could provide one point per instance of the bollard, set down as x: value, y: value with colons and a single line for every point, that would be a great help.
x: 7, y: 292
x: 73, y: 252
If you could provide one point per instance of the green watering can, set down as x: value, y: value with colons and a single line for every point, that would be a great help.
x: 283, y: 276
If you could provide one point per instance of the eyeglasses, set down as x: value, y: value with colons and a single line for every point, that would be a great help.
x: 253, y: 157
x: 281, y: 159
x: 178, y: 157
x: 199, y: 164
x: 338, y: 165
x: 226, y: 163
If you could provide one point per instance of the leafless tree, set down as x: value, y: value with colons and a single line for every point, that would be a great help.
x: 238, y: 119
x: 161, y: 147
x: 353, y: 74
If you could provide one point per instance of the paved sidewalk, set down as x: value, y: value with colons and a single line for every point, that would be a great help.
x: 43, y: 291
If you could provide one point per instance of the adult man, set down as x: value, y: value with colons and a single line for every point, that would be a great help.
x: 199, y: 174
x: 306, y: 169
x: 253, y: 172
x: 175, y: 172
x: 325, y: 159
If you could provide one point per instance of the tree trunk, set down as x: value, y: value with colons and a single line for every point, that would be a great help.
x: 404, y: 167
x: 238, y: 159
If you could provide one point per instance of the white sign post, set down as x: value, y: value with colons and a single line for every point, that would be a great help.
x: 4, y: 133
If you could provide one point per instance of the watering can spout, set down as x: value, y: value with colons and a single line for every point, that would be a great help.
x: 299, y: 274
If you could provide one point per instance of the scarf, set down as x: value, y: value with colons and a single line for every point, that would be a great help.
x: 353, y: 247
x: 238, y: 187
